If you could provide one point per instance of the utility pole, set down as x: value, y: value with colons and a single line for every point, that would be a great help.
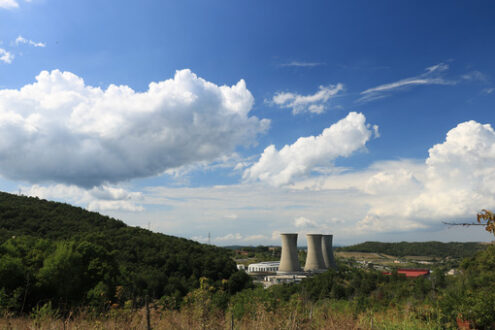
x: 209, y: 238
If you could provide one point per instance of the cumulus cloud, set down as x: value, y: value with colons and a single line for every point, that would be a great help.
x: 8, y: 4
x: 433, y: 75
x: 405, y: 199
x: 279, y: 167
x: 5, y: 56
x: 61, y: 130
x: 103, y: 198
x: 460, y: 173
x: 21, y: 40
x: 456, y: 181
x: 314, y: 103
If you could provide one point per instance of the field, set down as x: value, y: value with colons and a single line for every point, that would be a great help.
x: 323, y: 315
x: 385, y: 260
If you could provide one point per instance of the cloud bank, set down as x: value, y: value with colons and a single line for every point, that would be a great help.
x: 279, y: 167
x: 61, y: 130
x: 314, y: 103
x: 398, y: 197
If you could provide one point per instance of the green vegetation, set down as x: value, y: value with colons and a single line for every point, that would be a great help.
x: 430, y: 249
x: 64, y: 255
x: 249, y: 254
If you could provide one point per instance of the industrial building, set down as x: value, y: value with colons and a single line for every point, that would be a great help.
x: 314, y: 256
x: 411, y: 273
x: 319, y: 258
x: 264, y: 267
x: 327, y: 250
x: 289, y: 260
x: 281, y: 279
x: 319, y: 255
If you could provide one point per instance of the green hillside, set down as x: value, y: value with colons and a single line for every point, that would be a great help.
x: 56, y: 252
x: 430, y: 249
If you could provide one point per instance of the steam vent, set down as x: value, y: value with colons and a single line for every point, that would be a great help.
x: 289, y: 262
x: 327, y: 250
x: 314, y: 258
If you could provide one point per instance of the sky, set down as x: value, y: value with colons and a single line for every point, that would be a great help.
x: 241, y: 120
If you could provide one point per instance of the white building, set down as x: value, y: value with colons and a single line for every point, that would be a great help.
x: 280, y: 279
x: 264, y: 267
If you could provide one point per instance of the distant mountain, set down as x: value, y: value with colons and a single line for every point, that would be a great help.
x: 58, y: 252
x: 430, y: 249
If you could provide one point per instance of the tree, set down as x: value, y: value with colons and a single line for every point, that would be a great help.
x: 487, y: 219
x: 61, y: 273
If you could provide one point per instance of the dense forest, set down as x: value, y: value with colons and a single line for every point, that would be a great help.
x: 430, y: 249
x: 57, y: 253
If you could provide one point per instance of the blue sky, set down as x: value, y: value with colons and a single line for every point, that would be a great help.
x: 371, y: 121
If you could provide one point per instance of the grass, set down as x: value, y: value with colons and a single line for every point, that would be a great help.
x: 324, y: 314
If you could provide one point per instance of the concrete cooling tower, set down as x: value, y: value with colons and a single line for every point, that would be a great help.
x: 327, y: 251
x: 314, y: 258
x: 289, y: 261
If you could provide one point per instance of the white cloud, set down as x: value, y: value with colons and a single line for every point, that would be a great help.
x: 302, y: 64
x: 302, y: 222
x: 487, y: 91
x: 229, y: 237
x: 432, y: 76
x: 21, y: 40
x: 460, y: 173
x: 314, y: 103
x: 5, y: 56
x: 476, y: 76
x: 60, y: 130
x: 456, y: 181
x: 103, y: 198
x: 8, y: 4
x: 401, y: 199
x: 279, y: 167
x: 393, y: 200
x: 372, y: 223
x: 257, y: 238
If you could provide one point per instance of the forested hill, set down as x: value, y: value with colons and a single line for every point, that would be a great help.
x: 57, y: 252
x: 430, y: 249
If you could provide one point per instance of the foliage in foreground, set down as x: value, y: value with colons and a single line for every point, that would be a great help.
x: 293, y: 314
x: 347, y: 299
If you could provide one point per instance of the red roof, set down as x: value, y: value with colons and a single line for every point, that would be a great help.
x: 411, y: 272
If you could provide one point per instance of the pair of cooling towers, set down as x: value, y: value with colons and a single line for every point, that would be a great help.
x: 319, y: 254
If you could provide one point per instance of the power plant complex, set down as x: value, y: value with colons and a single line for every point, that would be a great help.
x: 319, y: 258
